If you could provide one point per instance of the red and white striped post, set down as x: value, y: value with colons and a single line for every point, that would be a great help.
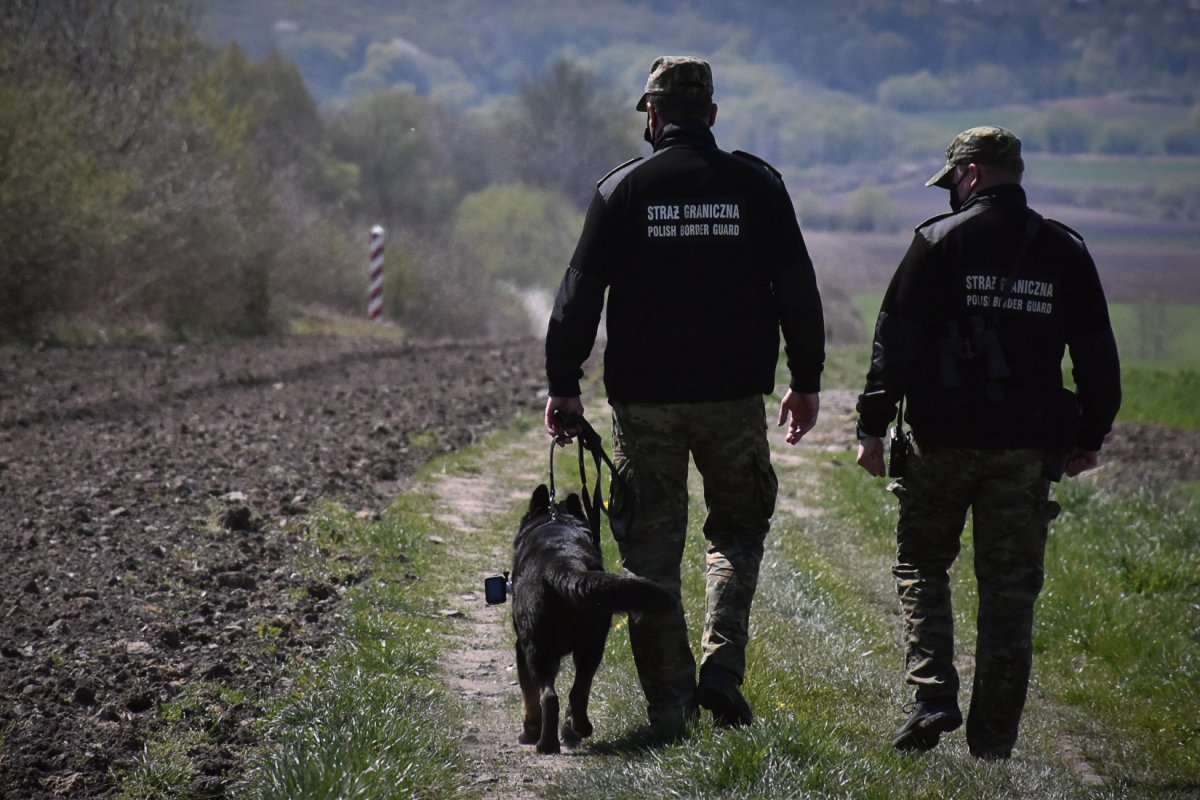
x: 375, y: 295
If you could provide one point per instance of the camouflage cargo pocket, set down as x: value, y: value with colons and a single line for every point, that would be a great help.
x: 767, y: 484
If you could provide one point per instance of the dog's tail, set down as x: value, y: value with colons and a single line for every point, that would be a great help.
x: 614, y: 592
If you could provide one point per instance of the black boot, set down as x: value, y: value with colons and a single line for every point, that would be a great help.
x: 719, y: 692
x: 930, y: 719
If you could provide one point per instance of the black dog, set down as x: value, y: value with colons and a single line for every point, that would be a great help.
x: 563, y: 602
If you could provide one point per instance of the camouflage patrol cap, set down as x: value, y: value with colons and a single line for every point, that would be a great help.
x: 678, y: 75
x: 986, y: 145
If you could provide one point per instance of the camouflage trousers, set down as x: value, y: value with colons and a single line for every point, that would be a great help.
x: 1008, y: 497
x: 649, y: 504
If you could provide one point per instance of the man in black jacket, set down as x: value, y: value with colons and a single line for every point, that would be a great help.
x: 971, y: 335
x: 704, y: 265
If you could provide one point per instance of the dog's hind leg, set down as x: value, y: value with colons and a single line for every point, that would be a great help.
x: 577, y: 726
x: 531, y: 709
x: 548, y: 743
x: 541, y: 701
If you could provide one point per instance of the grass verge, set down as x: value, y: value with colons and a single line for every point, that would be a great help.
x: 370, y: 720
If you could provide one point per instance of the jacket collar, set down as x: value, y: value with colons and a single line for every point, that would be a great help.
x: 1006, y: 195
x: 688, y: 132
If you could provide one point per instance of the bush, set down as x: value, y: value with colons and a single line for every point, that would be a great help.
x: 518, y: 234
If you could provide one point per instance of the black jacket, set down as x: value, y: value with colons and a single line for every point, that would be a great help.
x: 977, y: 348
x: 704, y: 264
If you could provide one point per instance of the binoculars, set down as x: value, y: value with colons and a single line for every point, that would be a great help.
x: 974, y: 357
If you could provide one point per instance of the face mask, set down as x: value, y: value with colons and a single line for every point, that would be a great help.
x: 956, y: 204
x: 647, y: 136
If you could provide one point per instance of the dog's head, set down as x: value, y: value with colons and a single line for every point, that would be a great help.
x: 567, y: 518
x: 539, y: 504
x: 539, y: 511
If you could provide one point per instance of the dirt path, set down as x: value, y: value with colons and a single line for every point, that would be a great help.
x: 480, y: 667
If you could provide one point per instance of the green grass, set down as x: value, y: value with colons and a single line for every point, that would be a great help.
x: 1157, y: 335
x: 371, y: 719
x: 1119, y: 627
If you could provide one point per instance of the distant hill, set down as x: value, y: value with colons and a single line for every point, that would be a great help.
x: 938, y: 53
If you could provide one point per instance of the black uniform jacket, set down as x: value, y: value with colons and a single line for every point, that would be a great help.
x: 704, y: 264
x: 977, y: 348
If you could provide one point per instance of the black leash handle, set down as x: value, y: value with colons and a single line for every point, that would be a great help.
x: 588, y: 439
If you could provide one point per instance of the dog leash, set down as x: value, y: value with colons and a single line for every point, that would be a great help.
x: 589, y: 440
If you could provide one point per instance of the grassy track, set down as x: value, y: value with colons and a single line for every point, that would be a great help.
x: 1112, y: 711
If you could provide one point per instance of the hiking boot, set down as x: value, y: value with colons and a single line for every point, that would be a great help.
x: 930, y: 719
x: 719, y: 692
x: 672, y: 724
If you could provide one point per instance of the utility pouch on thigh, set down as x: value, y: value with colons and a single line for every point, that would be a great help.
x: 899, y: 446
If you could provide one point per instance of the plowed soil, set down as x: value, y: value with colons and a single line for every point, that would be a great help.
x: 145, y: 500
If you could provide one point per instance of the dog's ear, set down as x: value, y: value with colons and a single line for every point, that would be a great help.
x: 575, y: 506
x: 540, y: 499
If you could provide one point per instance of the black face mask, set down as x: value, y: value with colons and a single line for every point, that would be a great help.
x: 956, y: 204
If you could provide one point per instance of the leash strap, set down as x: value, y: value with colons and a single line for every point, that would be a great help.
x: 589, y: 440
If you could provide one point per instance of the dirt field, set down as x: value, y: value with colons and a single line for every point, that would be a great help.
x: 144, y: 500
x: 145, y: 495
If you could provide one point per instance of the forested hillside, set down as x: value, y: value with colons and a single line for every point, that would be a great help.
x: 189, y: 170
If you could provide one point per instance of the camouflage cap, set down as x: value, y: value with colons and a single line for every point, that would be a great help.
x: 677, y: 75
x: 986, y: 145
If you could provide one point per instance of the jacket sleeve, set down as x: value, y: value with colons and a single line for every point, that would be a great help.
x: 798, y: 305
x: 896, y: 343
x: 1095, y: 365
x: 579, y: 302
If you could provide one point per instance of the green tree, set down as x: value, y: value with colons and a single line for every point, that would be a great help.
x: 518, y: 234
x: 565, y: 132
x: 402, y: 181
x: 871, y: 209
x: 82, y: 89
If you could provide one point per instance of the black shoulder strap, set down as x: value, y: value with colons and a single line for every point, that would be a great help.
x: 1032, y: 224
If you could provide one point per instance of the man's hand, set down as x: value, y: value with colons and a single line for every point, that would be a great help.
x: 870, y: 455
x: 803, y: 410
x: 558, y: 409
x: 1080, y: 461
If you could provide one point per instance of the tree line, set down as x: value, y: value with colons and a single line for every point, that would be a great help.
x: 150, y: 184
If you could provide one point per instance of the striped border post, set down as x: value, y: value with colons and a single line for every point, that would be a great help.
x: 375, y: 295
